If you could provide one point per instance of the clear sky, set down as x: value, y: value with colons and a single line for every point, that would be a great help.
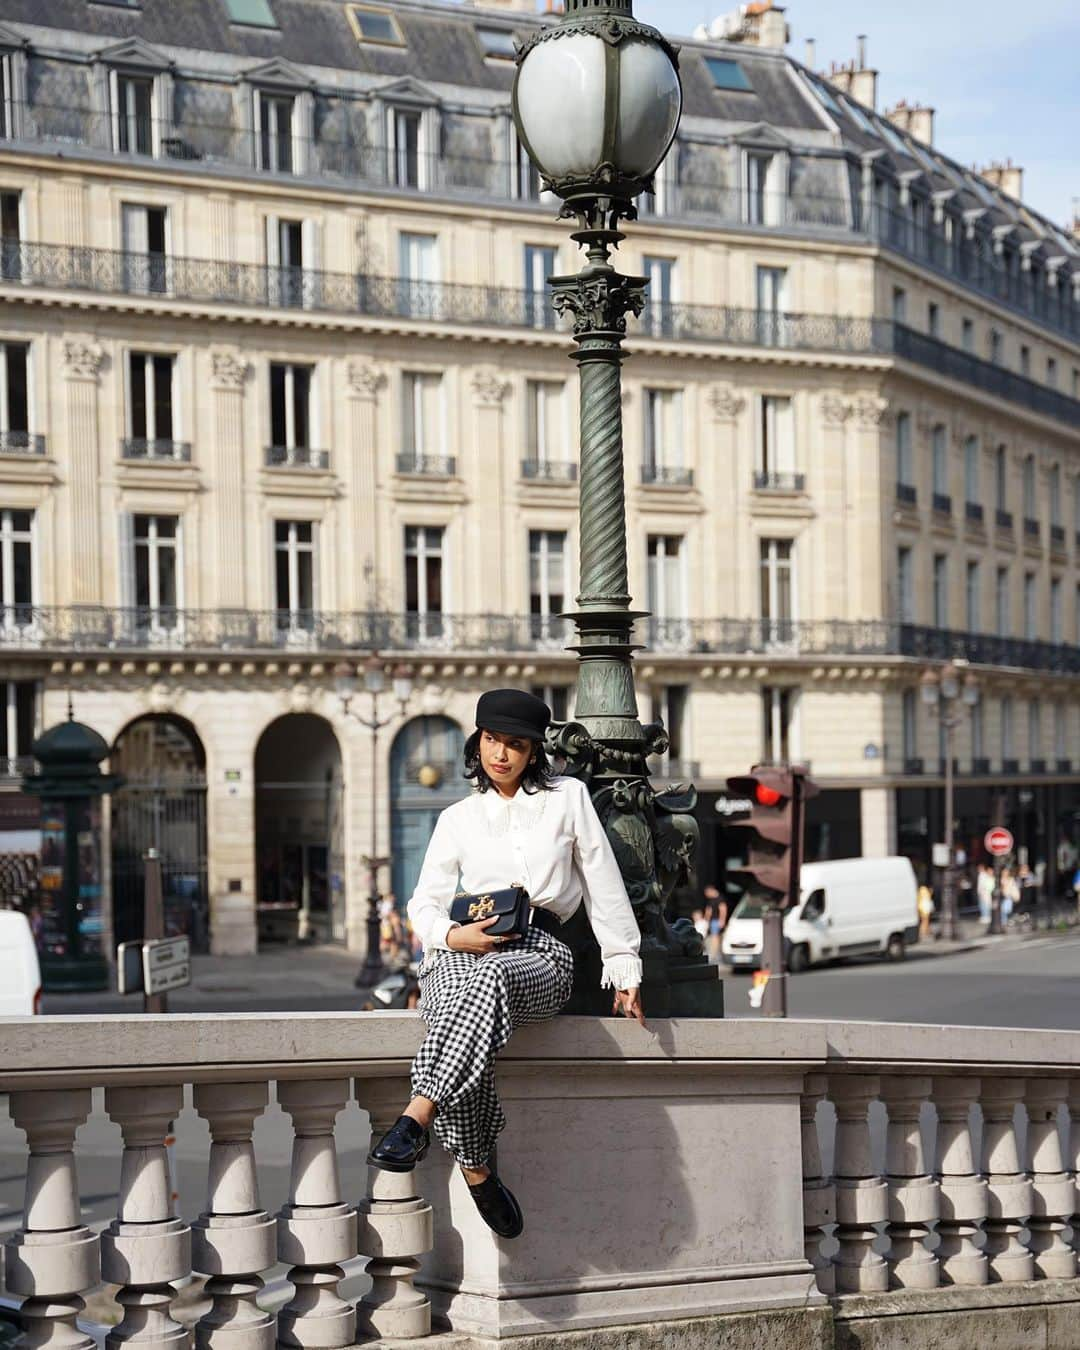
x: 1003, y: 76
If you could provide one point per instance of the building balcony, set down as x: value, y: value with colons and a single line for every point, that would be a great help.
x: 1037, y: 766
x: 914, y: 764
x: 297, y: 457
x: 138, y: 448
x: 942, y: 504
x: 779, y: 482
x: 1010, y: 766
x: 1031, y: 530
x: 667, y: 475
x: 906, y: 495
x: 426, y: 466
x: 1064, y: 766
x: 974, y: 513
x: 549, y: 471
x: 21, y: 443
x: 1057, y: 538
x: 980, y: 765
x: 1003, y: 520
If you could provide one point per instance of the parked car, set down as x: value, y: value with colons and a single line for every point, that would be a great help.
x: 20, y: 974
x: 851, y: 907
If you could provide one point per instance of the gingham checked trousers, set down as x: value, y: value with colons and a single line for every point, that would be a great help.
x: 472, y: 1005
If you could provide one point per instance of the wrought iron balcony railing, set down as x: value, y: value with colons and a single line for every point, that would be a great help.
x: 549, y: 470
x: 1010, y: 766
x: 105, y: 628
x: 21, y: 443
x: 296, y: 457
x: 779, y: 482
x: 1003, y: 519
x: 914, y: 765
x: 1031, y: 529
x: 1057, y: 538
x: 136, y: 447
x: 980, y: 765
x: 906, y: 494
x: 427, y: 466
x: 974, y: 513
x: 1037, y: 765
x: 942, y: 504
x: 667, y: 475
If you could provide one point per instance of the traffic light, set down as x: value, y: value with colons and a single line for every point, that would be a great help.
x: 775, y: 829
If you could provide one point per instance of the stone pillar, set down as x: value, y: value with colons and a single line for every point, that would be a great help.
x: 54, y: 1257
x: 1074, y: 1158
x: 146, y: 1247
x: 833, y: 481
x: 488, y: 588
x: 364, y: 380
x: 1009, y: 1197
x: 877, y: 811
x: 235, y: 1238
x: 913, y: 1193
x: 395, y: 1228
x: 721, y: 477
x: 1053, y: 1190
x: 316, y: 1230
x: 963, y: 1190
x: 819, y: 1194
x: 871, y: 485
x: 861, y: 1195
x: 83, y: 362
x: 229, y: 372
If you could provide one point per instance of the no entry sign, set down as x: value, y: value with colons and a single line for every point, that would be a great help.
x: 998, y: 841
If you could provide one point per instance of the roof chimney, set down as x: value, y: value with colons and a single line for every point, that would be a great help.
x: 855, y: 78
x: 759, y: 24
x: 811, y: 52
x: 916, y: 120
x: 1007, y: 176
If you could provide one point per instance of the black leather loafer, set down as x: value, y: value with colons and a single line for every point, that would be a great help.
x: 498, y: 1208
x: 401, y: 1147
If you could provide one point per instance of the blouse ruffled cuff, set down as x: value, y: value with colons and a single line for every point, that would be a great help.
x: 622, y: 972
x: 438, y: 931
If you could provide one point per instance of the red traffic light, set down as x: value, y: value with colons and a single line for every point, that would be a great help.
x: 767, y: 796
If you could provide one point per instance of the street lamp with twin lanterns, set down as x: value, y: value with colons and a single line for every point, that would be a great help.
x: 947, y: 691
x: 597, y: 102
x: 347, y: 682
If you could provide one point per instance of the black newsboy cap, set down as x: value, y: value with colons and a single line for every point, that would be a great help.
x: 513, y: 712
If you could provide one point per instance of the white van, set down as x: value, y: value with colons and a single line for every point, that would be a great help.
x: 20, y: 974
x: 853, y: 907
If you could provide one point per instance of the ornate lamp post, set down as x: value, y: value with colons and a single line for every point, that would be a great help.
x: 947, y: 691
x: 597, y: 102
x: 374, y: 677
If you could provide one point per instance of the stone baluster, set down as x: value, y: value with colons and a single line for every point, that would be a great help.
x: 235, y: 1239
x: 146, y: 1247
x: 1074, y: 1159
x: 913, y: 1193
x: 395, y: 1229
x: 819, y: 1194
x: 54, y: 1256
x: 1008, y: 1187
x: 316, y: 1229
x: 861, y: 1195
x: 1053, y: 1190
x: 963, y: 1190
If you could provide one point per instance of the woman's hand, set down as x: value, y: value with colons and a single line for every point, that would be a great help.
x: 628, y: 1002
x: 474, y: 937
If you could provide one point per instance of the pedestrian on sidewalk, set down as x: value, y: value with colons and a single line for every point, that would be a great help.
x: 984, y: 891
x: 925, y: 905
x: 520, y: 825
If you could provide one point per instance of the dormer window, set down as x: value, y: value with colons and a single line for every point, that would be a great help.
x: 727, y: 74
x: 374, y: 25
x: 251, y: 13
x: 497, y: 43
x: 7, y: 98
x: 275, y: 131
x: 134, y: 114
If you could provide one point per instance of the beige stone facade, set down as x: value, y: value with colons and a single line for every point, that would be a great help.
x: 289, y: 418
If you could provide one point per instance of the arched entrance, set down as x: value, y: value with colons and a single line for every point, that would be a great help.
x: 162, y: 805
x: 299, y: 832
x: 425, y: 777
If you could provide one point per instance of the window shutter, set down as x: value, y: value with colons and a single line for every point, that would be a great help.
x: 126, y: 567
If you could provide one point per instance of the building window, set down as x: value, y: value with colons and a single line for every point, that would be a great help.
x: 997, y: 347
x: 1008, y: 740
x: 548, y: 583
x: 14, y: 396
x: 939, y: 448
x: 275, y: 114
x: 17, y: 567
x: 933, y: 319
x: 1001, y: 478
x: 666, y: 587
x: 772, y: 304
x: 557, y: 697
x: 10, y: 236
x: 663, y: 437
x: 941, y: 590
x: 777, y: 589
x: 134, y: 116
x: 1025, y: 361
x: 659, y: 315
x: 973, y: 598
x: 294, y: 574
x: 905, y: 471
x: 151, y: 378
x: 144, y: 231
x: 540, y: 263
x: 424, y: 580
x: 526, y: 186
x: 251, y: 13
x: 418, y: 261
x: 1051, y: 372
x: 1031, y: 607
x: 289, y: 250
x: 661, y: 201
x: 18, y: 722
x: 157, y: 571
x: 1029, y: 487
x: 776, y: 458
x: 905, y: 585
x: 978, y: 734
x: 967, y: 335
x: 422, y: 423
x: 971, y: 470
x: 374, y: 25
x: 910, y: 725
x: 1061, y: 733
x: 9, y: 108
x: 1035, y: 745
x: 1055, y: 496
x: 408, y: 166
x: 1001, y: 603
x: 670, y: 704
x: 764, y: 189
x: 1057, y: 613
x: 290, y: 410
x: 899, y: 305
x: 545, y: 428
x: 777, y: 706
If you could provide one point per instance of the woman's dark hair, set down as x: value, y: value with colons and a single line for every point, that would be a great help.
x: 537, y: 775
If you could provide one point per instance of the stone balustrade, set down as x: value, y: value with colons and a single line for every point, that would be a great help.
x: 812, y: 1184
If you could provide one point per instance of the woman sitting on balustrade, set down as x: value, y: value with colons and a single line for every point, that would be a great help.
x: 519, y: 826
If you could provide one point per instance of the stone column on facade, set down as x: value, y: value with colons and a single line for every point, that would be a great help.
x: 83, y: 363
x: 819, y: 1194
x: 228, y: 374
x: 962, y: 1190
x: 913, y: 1192
x: 720, y: 481
x: 1009, y: 1198
x: 316, y: 1229
x: 487, y: 591
x: 1053, y: 1190
x: 871, y: 485
x: 877, y: 817
x: 861, y: 1195
x: 395, y: 1229
x: 54, y: 1258
x: 1074, y: 1159
x: 235, y: 1239
x: 146, y: 1247
x: 834, y: 494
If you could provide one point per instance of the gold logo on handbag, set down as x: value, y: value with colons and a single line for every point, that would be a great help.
x: 506, y: 911
x: 482, y: 908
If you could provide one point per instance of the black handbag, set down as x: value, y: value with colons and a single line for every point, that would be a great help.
x: 510, y: 909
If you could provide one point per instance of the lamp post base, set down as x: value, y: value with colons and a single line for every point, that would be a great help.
x: 372, y: 971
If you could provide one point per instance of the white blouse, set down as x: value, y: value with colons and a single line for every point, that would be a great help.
x: 554, y: 845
